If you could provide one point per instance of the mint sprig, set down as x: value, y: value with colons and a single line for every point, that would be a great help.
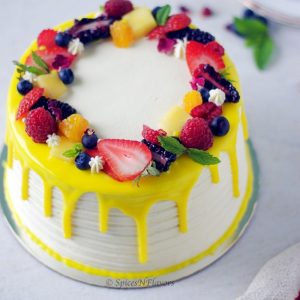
x: 172, y: 145
x: 257, y: 36
x: 163, y: 14
x: 40, y: 62
x: 74, y: 151
x: 23, y: 68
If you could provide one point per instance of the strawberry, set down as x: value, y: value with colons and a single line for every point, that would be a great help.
x: 216, y: 47
x: 49, y: 56
x: 157, y: 33
x: 177, y: 22
x: 47, y: 38
x: 124, y: 159
x: 197, y: 54
x: 28, y: 101
x: 152, y: 135
x: 92, y: 152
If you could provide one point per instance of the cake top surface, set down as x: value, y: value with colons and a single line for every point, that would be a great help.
x: 148, y: 102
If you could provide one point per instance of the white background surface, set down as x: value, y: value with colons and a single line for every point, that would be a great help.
x: 273, y: 107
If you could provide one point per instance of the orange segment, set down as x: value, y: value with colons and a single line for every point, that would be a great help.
x: 191, y: 100
x: 122, y: 34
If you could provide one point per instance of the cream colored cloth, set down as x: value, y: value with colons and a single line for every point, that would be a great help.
x: 279, y: 279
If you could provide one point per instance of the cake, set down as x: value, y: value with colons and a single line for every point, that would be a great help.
x: 136, y: 171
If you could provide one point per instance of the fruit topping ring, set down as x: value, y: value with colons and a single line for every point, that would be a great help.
x: 190, y: 129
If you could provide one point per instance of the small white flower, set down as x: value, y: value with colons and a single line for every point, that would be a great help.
x: 29, y: 77
x: 75, y: 47
x: 96, y: 164
x: 217, y: 97
x: 53, y: 140
x: 179, y: 49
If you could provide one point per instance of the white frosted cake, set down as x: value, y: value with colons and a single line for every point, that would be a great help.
x: 128, y: 162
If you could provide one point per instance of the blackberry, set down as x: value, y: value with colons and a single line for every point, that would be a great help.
x: 67, y: 110
x: 205, y: 94
x: 214, y: 80
x: 200, y: 36
x: 163, y: 159
x: 42, y: 102
x: 89, y: 29
x: 179, y: 34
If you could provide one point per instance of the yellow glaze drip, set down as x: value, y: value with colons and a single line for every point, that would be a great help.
x: 131, y: 200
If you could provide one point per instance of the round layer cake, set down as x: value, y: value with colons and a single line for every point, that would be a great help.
x: 139, y: 173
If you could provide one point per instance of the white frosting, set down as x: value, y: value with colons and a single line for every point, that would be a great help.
x: 212, y: 209
x: 29, y: 77
x: 179, y: 49
x: 96, y: 164
x: 75, y: 47
x: 119, y: 90
x: 217, y: 96
x: 53, y: 140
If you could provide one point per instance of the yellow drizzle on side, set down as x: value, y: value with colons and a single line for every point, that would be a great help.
x: 133, y: 201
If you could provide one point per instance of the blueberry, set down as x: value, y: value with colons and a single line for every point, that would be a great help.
x: 263, y: 20
x: 66, y: 76
x: 89, y: 139
x: 205, y: 94
x: 219, y: 126
x: 24, y: 87
x: 155, y: 10
x: 248, y: 13
x: 82, y: 161
x: 63, y: 39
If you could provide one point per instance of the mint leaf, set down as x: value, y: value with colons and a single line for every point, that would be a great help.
x: 250, y: 27
x: 171, y: 144
x: 34, y: 70
x: 76, y: 149
x: 263, y: 52
x: 202, y: 157
x: 40, y: 62
x: 163, y: 14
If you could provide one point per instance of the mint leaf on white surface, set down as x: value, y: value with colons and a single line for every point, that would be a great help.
x: 263, y: 52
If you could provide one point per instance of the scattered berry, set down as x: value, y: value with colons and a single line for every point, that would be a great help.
x: 28, y: 101
x: 124, y: 159
x: 49, y: 56
x: 205, y: 94
x: 152, y: 135
x: 191, y: 100
x: 196, y: 134
x: 122, y: 34
x: 88, y: 30
x: 63, y: 39
x: 216, y: 47
x: 184, y: 9
x: 82, y: 161
x: 207, y: 111
x: 117, y: 8
x: 162, y: 158
x: 47, y: 38
x: 66, y: 76
x: 89, y: 139
x: 248, y: 13
x: 177, y: 22
x: 219, y: 126
x: 74, y: 127
x: 24, y: 87
x: 206, y: 12
x: 155, y: 11
x: 197, y: 54
x: 263, y: 20
x: 40, y: 124
x: 157, y: 33
x: 214, y: 80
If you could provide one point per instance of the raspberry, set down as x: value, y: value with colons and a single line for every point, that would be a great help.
x: 177, y: 22
x: 47, y: 38
x: 40, y: 124
x: 207, y: 111
x: 118, y: 8
x: 28, y: 101
x: 151, y: 135
x: 157, y: 33
x: 196, y: 134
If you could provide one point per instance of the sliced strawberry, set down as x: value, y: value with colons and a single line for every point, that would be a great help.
x: 49, y: 56
x: 157, y: 33
x: 177, y: 22
x: 28, y: 101
x: 124, y: 159
x: 197, y: 54
x: 216, y: 47
x: 92, y: 152
x: 47, y: 38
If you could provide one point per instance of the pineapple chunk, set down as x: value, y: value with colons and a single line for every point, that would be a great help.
x: 63, y: 146
x: 174, y: 120
x: 141, y: 21
x: 54, y: 88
